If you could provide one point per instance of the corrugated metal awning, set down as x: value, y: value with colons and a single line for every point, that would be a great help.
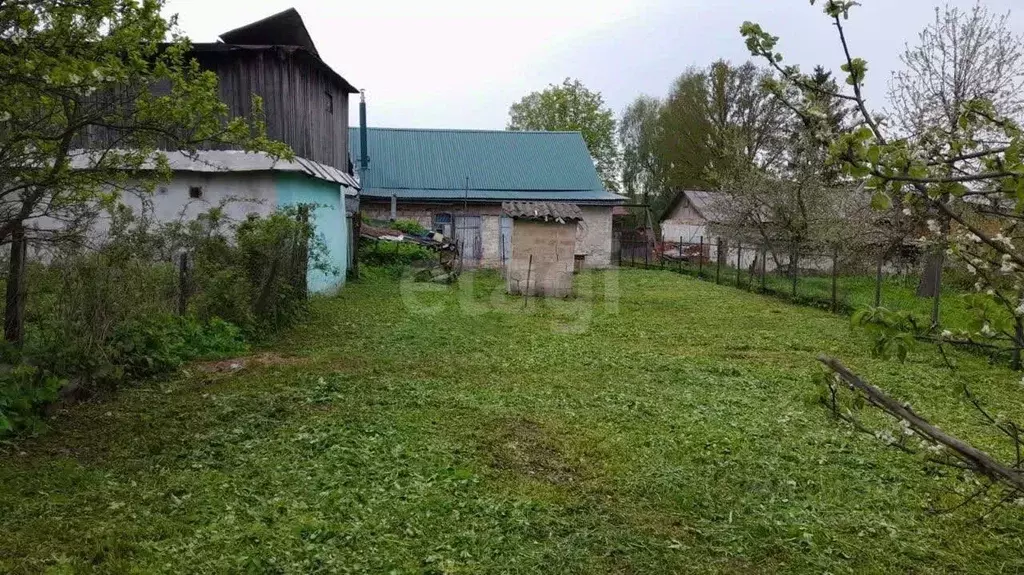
x: 208, y: 161
x: 542, y: 211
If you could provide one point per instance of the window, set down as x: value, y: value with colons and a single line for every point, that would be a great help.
x: 443, y: 223
x: 195, y: 192
x: 330, y: 102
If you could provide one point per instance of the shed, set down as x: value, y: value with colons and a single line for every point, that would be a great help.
x: 543, y: 254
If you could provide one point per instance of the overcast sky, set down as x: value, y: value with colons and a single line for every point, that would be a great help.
x: 461, y: 63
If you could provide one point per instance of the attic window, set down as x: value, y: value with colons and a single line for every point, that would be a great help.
x: 195, y: 192
x: 330, y: 102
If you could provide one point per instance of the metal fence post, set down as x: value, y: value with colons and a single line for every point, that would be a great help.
x: 739, y: 263
x: 764, y: 269
x: 835, y: 279
x: 794, y: 265
x: 700, y: 260
x: 183, y: 284
x: 680, y: 253
x: 878, y: 280
x: 718, y: 262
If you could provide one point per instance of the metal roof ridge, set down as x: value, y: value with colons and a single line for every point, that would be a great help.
x: 469, y: 130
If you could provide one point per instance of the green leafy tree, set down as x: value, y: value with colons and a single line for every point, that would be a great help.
x: 715, y: 121
x: 972, y: 176
x: 572, y: 107
x: 89, y: 94
x: 639, y: 132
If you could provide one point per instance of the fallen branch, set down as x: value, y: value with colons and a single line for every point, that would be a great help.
x: 975, y: 459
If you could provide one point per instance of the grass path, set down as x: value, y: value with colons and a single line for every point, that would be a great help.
x: 673, y: 428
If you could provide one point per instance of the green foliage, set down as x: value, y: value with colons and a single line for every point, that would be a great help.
x: 104, y: 317
x: 714, y: 122
x: 892, y: 332
x: 409, y: 227
x: 25, y: 391
x: 677, y: 433
x: 150, y: 347
x: 393, y: 254
x: 572, y: 107
x: 257, y: 278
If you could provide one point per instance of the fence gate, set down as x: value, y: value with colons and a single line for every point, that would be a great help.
x: 468, y: 235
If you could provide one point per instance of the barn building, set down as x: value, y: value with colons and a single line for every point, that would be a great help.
x: 306, y: 106
x: 455, y: 182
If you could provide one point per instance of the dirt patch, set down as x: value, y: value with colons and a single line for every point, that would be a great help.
x: 524, y: 447
x: 259, y: 360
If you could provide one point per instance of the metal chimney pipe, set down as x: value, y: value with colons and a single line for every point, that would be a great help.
x: 364, y: 153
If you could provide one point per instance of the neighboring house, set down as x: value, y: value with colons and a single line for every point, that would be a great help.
x: 306, y: 106
x: 455, y: 181
x: 688, y: 217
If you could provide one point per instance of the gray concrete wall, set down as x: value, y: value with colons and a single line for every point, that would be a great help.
x: 542, y: 258
x: 593, y: 236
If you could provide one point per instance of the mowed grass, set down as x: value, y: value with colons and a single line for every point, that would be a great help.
x: 657, y: 424
x: 899, y: 293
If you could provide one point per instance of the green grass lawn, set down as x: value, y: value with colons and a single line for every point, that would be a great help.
x: 428, y: 429
x: 898, y: 293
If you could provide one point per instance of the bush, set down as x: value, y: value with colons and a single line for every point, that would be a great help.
x: 158, y: 346
x: 105, y: 315
x: 385, y: 254
x: 409, y: 227
x: 25, y: 391
x: 259, y: 281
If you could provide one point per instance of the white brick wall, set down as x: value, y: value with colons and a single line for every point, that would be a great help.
x: 594, y: 236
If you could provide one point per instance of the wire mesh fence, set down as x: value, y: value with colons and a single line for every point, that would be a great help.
x: 837, y: 280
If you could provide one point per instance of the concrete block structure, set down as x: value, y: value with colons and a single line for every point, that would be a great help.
x: 543, y: 248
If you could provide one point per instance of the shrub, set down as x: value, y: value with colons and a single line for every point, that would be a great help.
x: 385, y: 254
x: 157, y: 346
x: 106, y: 315
x: 409, y: 227
x: 25, y: 391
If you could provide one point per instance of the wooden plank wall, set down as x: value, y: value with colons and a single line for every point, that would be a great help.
x: 295, y: 92
x: 295, y: 100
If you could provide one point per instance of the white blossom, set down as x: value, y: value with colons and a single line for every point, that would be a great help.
x: 987, y: 331
x: 946, y: 334
x: 935, y: 448
x: 905, y: 426
x: 1019, y: 312
x: 5, y: 116
x: 885, y: 437
x: 908, y: 212
x: 933, y: 227
x: 1000, y: 238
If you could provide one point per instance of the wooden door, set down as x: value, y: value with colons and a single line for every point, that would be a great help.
x: 469, y: 237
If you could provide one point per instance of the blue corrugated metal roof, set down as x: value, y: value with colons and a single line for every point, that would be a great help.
x: 499, y: 165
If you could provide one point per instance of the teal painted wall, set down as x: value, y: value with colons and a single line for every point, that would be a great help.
x: 329, y: 217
